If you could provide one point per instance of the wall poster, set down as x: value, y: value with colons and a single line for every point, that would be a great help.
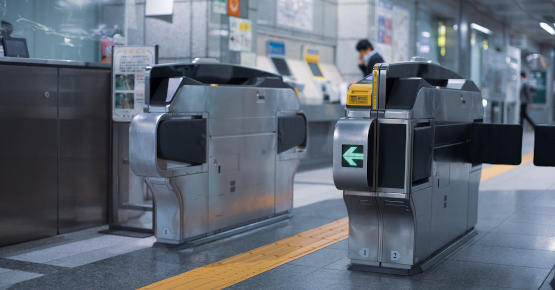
x: 295, y: 14
x: 219, y: 6
x: 384, y: 25
x: 240, y: 34
x: 401, y: 36
x: 393, y: 31
x: 128, y: 80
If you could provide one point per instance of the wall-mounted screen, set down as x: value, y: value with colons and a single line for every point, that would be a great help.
x: 281, y: 66
x: 15, y: 47
x: 315, y: 69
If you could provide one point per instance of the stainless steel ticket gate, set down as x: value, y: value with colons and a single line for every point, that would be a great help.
x: 408, y: 158
x: 219, y: 146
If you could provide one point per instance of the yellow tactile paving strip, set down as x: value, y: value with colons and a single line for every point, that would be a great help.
x: 496, y: 170
x: 243, y: 266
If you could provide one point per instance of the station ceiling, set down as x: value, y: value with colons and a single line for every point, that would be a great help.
x: 523, y: 15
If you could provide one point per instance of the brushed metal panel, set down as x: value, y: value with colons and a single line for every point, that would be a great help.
x: 242, y: 125
x: 398, y: 231
x: 132, y: 204
x: 27, y: 153
x: 185, y: 207
x: 473, y: 189
x: 84, y: 106
x: 450, y: 206
x: 285, y: 176
x: 242, y: 179
x: 422, y: 212
x: 364, y: 223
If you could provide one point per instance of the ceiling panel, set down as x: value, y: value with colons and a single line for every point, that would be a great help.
x: 523, y: 15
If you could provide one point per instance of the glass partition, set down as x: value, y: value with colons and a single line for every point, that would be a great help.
x: 82, y: 30
x: 436, y: 39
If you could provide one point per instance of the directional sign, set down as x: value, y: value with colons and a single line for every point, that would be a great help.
x: 352, y: 155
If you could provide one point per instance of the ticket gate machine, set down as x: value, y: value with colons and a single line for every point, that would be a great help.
x: 219, y: 146
x: 408, y: 158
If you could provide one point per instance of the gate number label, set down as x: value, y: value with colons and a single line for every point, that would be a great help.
x: 352, y: 155
x: 363, y: 252
x: 395, y: 256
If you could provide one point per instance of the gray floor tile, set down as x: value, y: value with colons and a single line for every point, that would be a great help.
x: 10, y: 277
x: 341, y: 279
x: 525, y: 228
x: 507, y: 256
x: 341, y: 264
x: 50, y: 242
x: 99, y: 246
x: 28, y: 266
x: 90, y: 256
x: 549, y: 281
x: 525, y: 177
x: 320, y: 258
x: 277, y: 278
x: 537, y: 209
x: 491, y: 275
x: 520, y: 241
x: 532, y: 218
x: 340, y: 245
x: 114, y: 273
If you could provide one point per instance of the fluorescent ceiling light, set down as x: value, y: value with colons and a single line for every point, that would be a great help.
x: 547, y: 28
x: 480, y: 28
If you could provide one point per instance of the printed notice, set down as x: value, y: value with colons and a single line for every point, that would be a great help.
x: 240, y: 34
x: 128, y: 80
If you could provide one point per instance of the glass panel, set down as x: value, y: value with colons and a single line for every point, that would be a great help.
x: 437, y: 39
x: 478, y: 56
x: 65, y: 29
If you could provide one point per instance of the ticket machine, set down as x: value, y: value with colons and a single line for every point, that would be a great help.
x: 322, y: 81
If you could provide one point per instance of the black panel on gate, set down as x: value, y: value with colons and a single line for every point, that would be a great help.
x: 495, y: 144
x: 422, y: 153
x: 544, y: 145
x: 182, y: 140
x: 402, y: 92
x: 281, y: 66
x: 370, y: 155
x: 391, y: 156
x: 291, y: 132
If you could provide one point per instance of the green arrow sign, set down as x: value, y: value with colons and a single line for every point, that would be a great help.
x: 353, y: 155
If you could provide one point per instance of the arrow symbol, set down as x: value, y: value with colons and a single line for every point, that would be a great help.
x: 350, y: 156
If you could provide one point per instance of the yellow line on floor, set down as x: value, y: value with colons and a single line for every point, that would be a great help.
x: 496, y: 170
x: 243, y: 266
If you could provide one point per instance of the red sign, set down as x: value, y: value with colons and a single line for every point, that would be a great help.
x: 234, y: 8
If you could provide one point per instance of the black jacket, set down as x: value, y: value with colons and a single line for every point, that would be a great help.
x: 374, y: 59
x: 527, y: 93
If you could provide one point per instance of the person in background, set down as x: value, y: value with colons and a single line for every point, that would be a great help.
x: 368, y: 57
x: 526, y: 97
